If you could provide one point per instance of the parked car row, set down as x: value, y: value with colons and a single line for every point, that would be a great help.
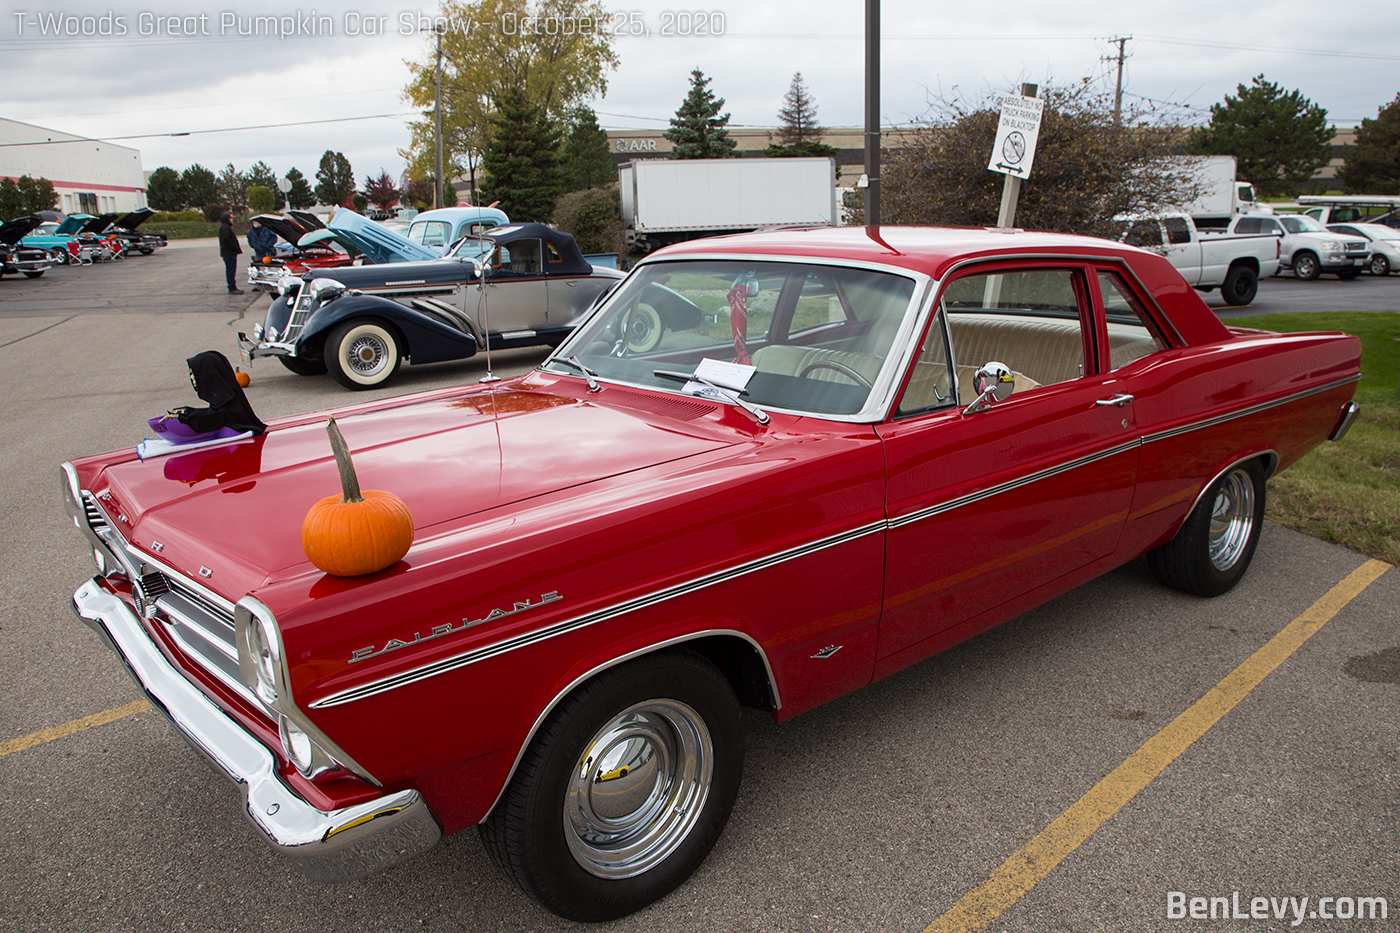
x: 37, y: 242
x: 515, y: 285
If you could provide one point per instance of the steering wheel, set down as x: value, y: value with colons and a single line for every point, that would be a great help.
x: 841, y: 368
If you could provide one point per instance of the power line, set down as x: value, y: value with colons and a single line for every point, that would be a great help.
x: 226, y: 129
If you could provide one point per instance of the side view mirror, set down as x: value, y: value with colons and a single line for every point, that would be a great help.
x: 993, y: 382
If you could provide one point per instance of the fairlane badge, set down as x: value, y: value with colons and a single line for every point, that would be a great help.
x: 449, y: 628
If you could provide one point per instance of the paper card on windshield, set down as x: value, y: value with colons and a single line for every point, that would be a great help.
x: 734, y: 376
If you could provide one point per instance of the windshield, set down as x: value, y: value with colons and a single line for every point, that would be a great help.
x: 1301, y: 224
x: 807, y: 337
x: 472, y: 247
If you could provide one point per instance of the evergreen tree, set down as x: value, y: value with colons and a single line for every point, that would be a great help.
x: 335, y: 182
x: 11, y: 201
x: 164, y: 192
x: 1373, y: 164
x: 586, y: 161
x: 262, y: 174
x: 299, y: 196
x: 261, y: 199
x: 1280, y: 138
x: 697, y: 130
x: 199, y: 186
x: 232, y: 188
x: 38, y: 194
x: 798, y: 118
x: 522, y: 159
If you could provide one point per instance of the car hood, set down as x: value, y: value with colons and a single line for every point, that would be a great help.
x: 376, y: 241
x: 281, y: 226
x: 135, y: 219
x: 11, y: 232
x: 231, y: 515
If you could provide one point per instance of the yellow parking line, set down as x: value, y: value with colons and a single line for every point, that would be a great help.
x: 1037, y: 858
x: 71, y: 728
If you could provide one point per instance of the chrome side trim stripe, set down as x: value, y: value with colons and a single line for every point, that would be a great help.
x: 495, y: 649
x: 578, y: 622
x: 997, y: 490
x: 1251, y: 410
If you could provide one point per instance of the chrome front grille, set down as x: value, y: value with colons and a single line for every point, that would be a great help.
x: 197, y: 619
x: 301, y: 311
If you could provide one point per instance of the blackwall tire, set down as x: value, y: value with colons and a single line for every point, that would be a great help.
x: 1306, y: 266
x: 1214, y: 546
x: 362, y: 354
x: 1379, y: 265
x: 624, y: 789
x: 1240, y: 286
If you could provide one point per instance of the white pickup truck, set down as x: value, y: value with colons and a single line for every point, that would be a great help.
x: 1230, y: 260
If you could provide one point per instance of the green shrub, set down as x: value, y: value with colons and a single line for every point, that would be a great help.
x: 594, y: 217
x: 167, y: 217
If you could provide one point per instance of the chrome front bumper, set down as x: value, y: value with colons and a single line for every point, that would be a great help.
x: 341, y: 845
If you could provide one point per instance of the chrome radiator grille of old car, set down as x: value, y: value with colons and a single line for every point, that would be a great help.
x: 197, y: 619
x: 301, y: 311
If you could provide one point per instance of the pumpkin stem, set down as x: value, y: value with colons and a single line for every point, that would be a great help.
x: 349, y: 482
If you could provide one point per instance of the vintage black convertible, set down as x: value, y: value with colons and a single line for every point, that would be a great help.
x: 360, y: 322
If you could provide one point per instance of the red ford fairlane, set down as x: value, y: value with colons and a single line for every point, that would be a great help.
x: 766, y: 471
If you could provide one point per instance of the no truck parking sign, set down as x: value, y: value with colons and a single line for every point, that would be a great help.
x: 1014, y: 149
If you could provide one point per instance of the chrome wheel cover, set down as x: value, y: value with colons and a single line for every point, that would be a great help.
x: 367, y: 355
x: 638, y: 789
x: 1231, y: 520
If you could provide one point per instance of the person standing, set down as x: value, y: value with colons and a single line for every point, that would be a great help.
x: 261, y: 240
x: 229, y: 249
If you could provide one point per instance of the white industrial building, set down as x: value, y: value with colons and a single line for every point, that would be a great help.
x: 90, y: 176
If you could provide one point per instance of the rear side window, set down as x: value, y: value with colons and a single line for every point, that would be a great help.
x: 1177, y: 231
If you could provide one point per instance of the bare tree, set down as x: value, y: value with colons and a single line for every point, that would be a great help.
x: 1086, y: 169
x: 798, y: 118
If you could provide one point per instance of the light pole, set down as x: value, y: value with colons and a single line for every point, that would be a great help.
x: 437, y: 119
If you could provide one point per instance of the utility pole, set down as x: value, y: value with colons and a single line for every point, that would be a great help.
x: 872, y: 111
x: 1118, y: 95
x: 437, y: 119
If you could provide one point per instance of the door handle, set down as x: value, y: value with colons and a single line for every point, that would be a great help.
x: 1119, y: 399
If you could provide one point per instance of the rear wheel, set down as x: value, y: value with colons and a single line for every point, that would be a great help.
x: 362, y: 354
x: 303, y: 366
x: 1212, y: 551
x: 1379, y: 265
x: 1306, y: 266
x: 1240, y: 286
x: 624, y: 789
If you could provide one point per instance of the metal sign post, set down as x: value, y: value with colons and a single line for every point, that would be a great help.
x: 1014, y: 148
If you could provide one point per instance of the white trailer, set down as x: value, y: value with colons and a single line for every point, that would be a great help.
x: 669, y: 200
x: 1222, y: 194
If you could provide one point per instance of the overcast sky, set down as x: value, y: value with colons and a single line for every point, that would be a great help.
x: 145, y: 82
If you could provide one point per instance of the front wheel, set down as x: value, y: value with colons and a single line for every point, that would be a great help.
x: 1306, y: 266
x: 1212, y: 551
x: 1240, y: 286
x: 1379, y: 265
x: 624, y: 789
x: 362, y: 354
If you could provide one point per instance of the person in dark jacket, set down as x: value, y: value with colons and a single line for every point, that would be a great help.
x: 229, y: 249
x: 261, y: 240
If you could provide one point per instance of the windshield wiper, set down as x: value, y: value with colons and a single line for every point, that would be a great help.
x: 588, y: 374
x: 731, y: 394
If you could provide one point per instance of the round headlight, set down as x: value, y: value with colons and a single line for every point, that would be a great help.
x: 296, y: 744
x: 262, y: 646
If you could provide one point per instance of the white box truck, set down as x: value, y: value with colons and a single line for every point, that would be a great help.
x: 670, y: 200
x: 1222, y: 194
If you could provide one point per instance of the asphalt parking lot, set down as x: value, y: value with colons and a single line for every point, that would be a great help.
x: 998, y: 786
